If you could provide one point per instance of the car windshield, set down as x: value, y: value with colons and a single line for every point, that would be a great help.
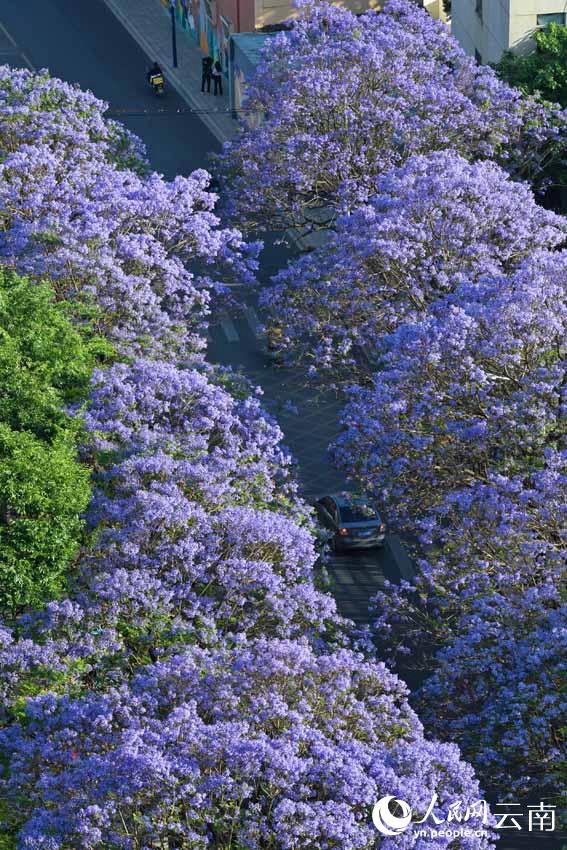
x: 358, y: 513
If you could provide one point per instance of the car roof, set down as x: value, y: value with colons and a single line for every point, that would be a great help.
x: 344, y: 499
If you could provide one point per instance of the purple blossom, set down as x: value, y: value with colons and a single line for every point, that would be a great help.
x: 196, y: 688
x: 499, y: 689
x: 433, y: 223
x: 346, y: 98
x: 118, y: 243
x: 477, y: 386
x: 265, y: 745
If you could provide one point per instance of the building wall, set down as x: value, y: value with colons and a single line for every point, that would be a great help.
x: 484, y: 38
x: 239, y: 11
x: 435, y: 9
x: 505, y: 24
x: 523, y: 21
x: 210, y: 22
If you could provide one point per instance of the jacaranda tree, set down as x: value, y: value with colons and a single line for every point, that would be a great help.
x: 266, y: 745
x: 499, y: 689
x: 434, y: 222
x: 463, y: 433
x: 497, y: 537
x: 118, y: 244
x: 195, y: 688
x: 345, y: 98
x: 477, y: 386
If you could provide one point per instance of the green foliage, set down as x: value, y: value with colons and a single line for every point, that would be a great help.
x: 542, y: 72
x: 45, y: 362
x: 45, y: 367
x: 43, y: 491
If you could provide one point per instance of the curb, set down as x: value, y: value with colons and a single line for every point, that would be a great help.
x: 400, y: 557
x: 172, y: 75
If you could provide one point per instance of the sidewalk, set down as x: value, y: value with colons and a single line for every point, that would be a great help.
x: 149, y: 24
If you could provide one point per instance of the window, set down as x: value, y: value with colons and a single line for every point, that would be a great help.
x: 479, y: 8
x: 553, y: 18
x: 330, y: 507
x: 478, y: 57
x: 358, y: 512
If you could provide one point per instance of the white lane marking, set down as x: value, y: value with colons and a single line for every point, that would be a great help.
x: 253, y: 320
x: 15, y: 47
x: 27, y: 61
x: 342, y: 576
x: 229, y: 329
x: 7, y: 34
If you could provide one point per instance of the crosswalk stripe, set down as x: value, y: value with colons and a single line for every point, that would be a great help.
x: 7, y: 34
x: 27, y: 61
x: 229, y: 329
x: 253, y: 320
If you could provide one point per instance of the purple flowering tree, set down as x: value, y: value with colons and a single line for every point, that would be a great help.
x: 346, y: 98
x: 497, y: 538
x: 264, y: 745
x: 191, y: 514
x: 37, y: 110
x: 499, y: 690
x: 117, y: 243
x: 195, y: 689
x: 434, y: 222
x: 463, y: 433
x: 219, y: 447
x: 478, y: 386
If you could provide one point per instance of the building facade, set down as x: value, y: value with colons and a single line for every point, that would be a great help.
x: 210, y: 23
x: 486, y: 28
x: 206, y: 23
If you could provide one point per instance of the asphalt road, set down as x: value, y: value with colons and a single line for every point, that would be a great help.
x: 83, y: 43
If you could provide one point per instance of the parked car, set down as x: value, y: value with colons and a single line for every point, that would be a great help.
x: 353, y: 521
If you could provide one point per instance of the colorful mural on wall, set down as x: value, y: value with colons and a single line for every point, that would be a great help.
x: 202, y: 22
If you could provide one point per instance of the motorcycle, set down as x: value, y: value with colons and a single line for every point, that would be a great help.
x: 157, y: 83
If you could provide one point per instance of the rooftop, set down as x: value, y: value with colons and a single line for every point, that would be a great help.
x: 251, y: 44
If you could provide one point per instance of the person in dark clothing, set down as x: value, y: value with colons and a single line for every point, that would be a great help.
x: 217, y: 77
x: 206, y: 73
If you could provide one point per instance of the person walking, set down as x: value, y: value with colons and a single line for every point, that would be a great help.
x: 206, y: 72
x: 217, y: 78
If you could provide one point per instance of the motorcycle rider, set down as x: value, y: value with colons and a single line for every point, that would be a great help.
x: 155, y: 71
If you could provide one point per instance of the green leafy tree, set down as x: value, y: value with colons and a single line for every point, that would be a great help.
x: 43, y: 490
x: 45, y: 367
x: 542, y: 72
